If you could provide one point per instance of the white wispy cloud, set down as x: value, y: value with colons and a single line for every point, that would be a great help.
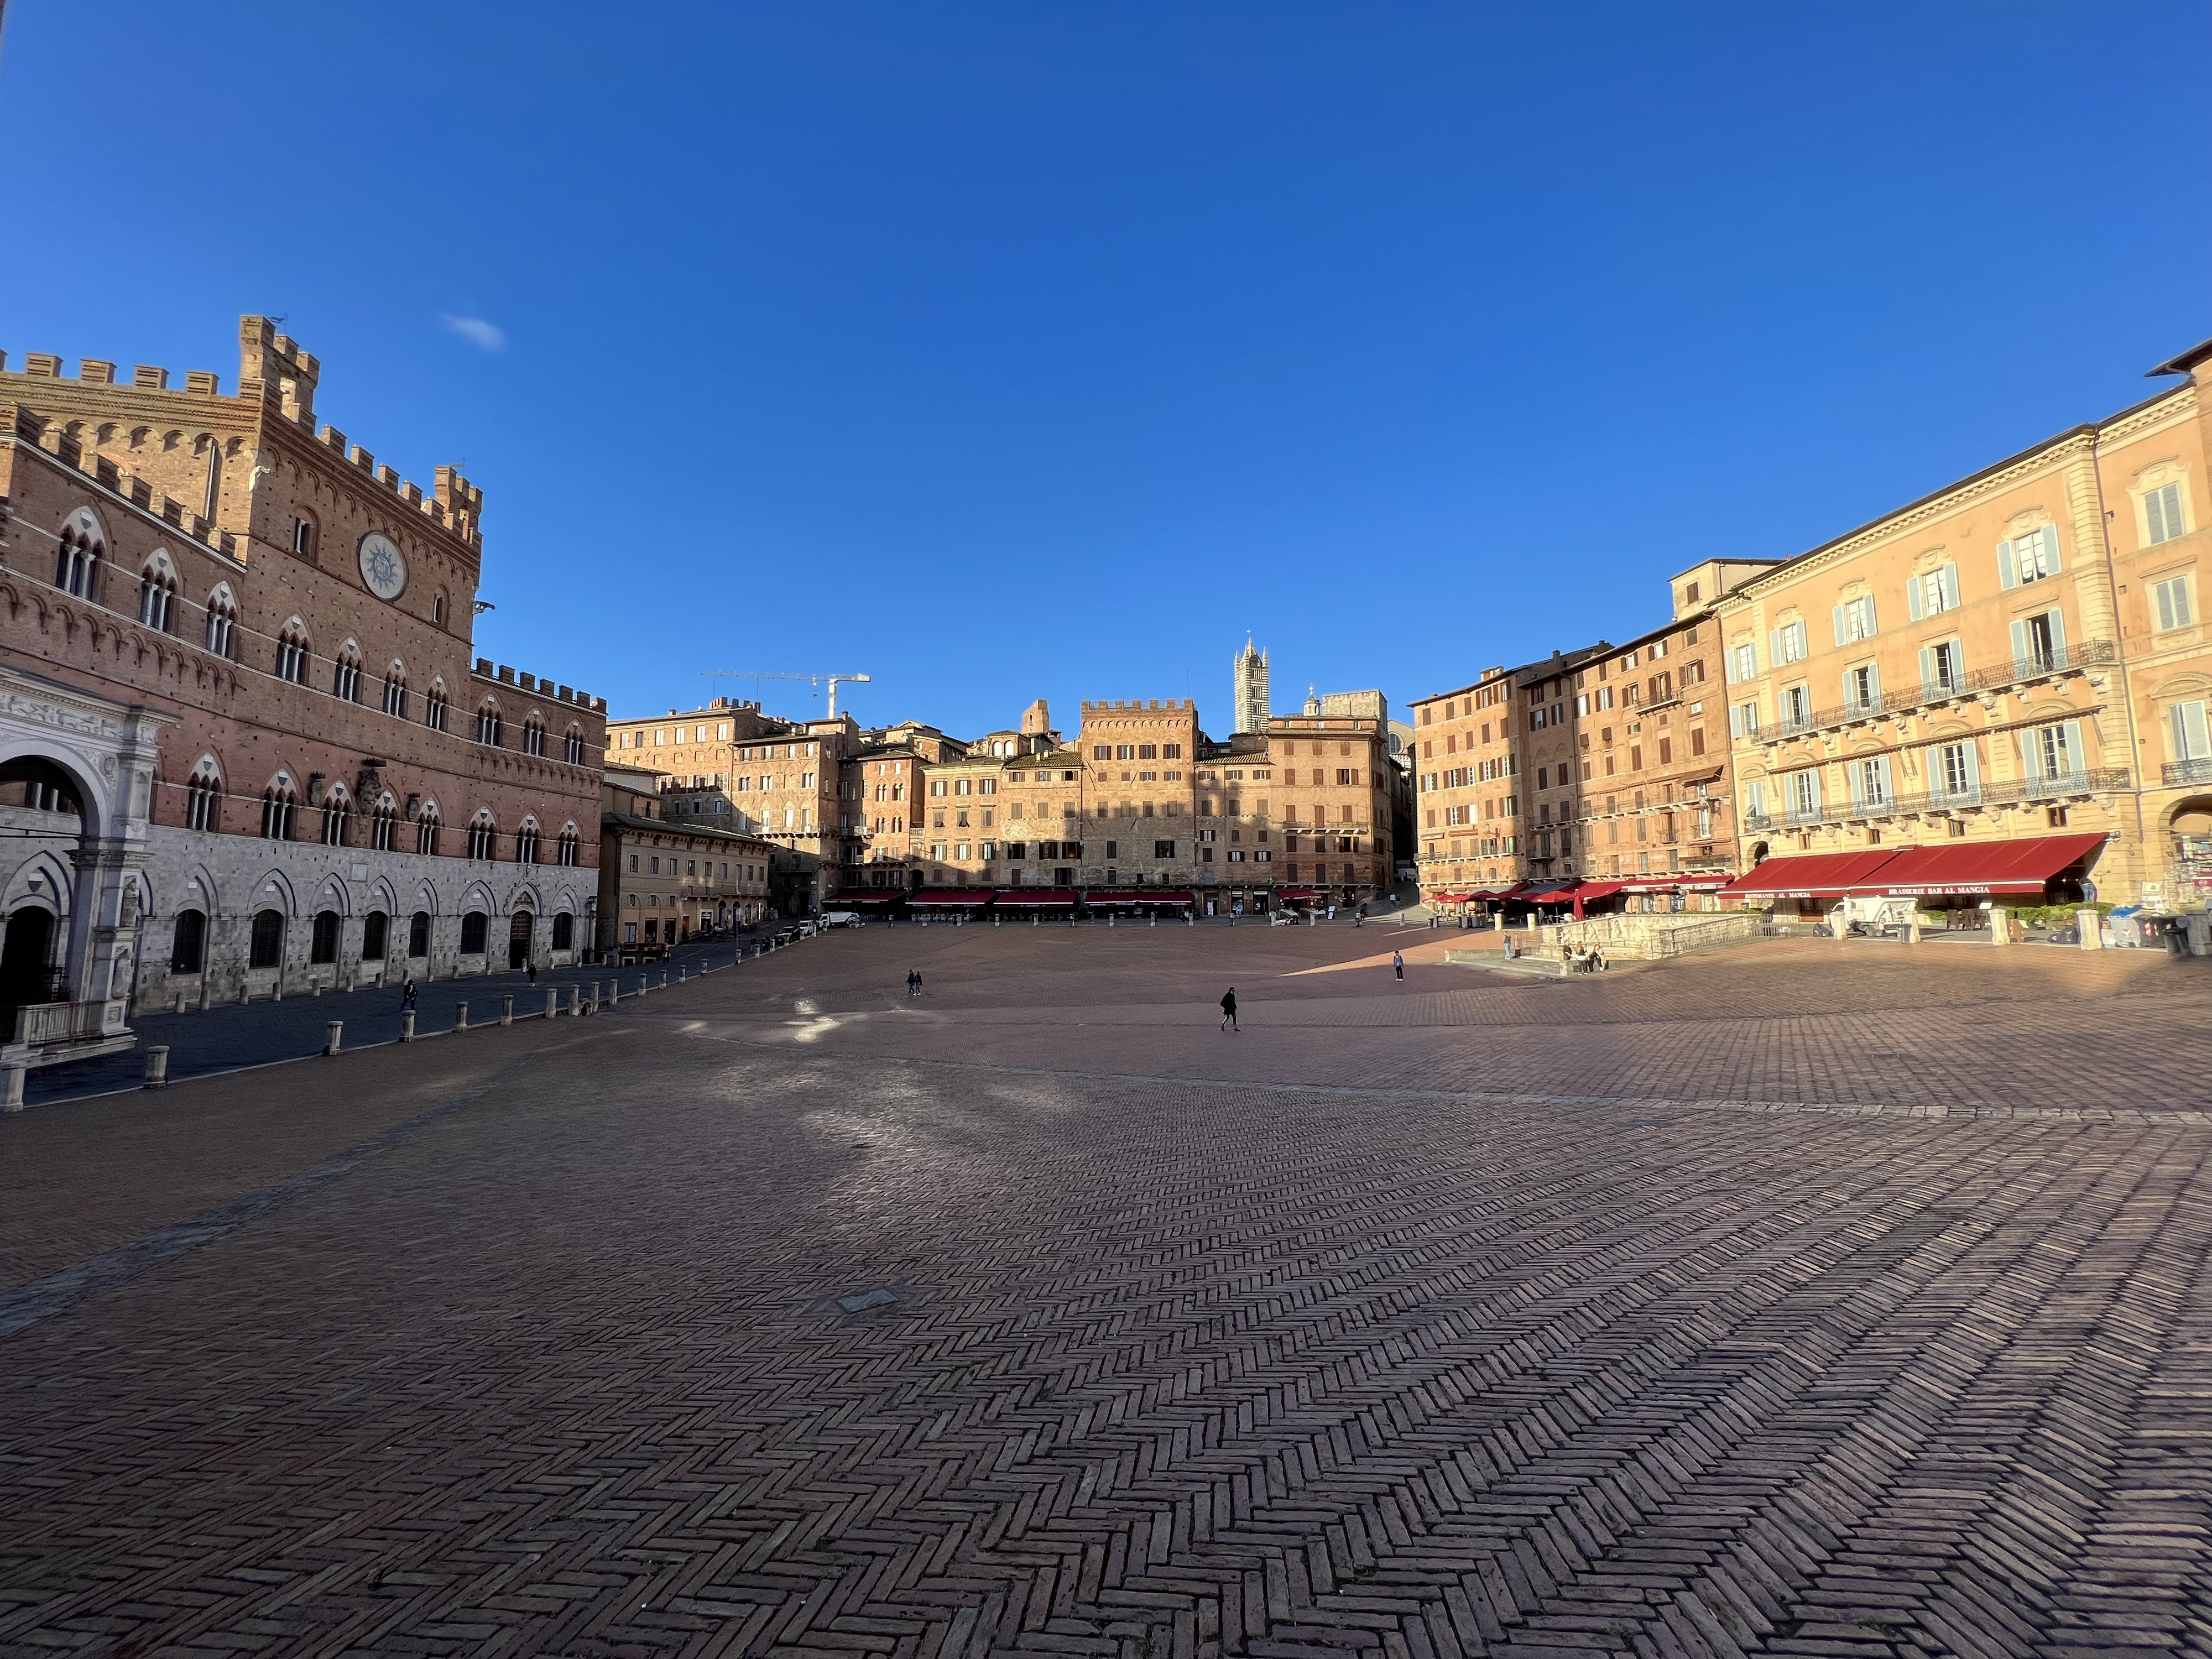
x: 484, y: 335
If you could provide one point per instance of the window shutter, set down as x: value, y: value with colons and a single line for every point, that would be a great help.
x: 1973, y: 764
x: 1927, y: 671
x: 1774, y: 647
x: 1735, y: 722
x: 1913, y: 605
x: 1873, y: 627
x: 2192, y: 741
x: 2057, y: 635
x: 1874, y: 683
x: 2076, y: 756
x: 1839, y: 625
x: 2019, y: 639
x: 1850, y: 701
x: 1881, y: 771
x: 1949, y: 581
x: 2050, y: 534
x: 2006, y: 575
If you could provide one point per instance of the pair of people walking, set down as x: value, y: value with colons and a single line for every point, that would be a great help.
x: 913, y: 983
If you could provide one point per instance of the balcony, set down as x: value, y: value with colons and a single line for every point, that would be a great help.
x: 2001, y: 677
x: 2072, y: 786
x: 2188, y: 771
x: 47, y: 1033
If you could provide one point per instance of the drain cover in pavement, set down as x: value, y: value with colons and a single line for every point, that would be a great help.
x: 865, y: 1300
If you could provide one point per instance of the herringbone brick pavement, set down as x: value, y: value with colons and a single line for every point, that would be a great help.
x: 723, y: 1325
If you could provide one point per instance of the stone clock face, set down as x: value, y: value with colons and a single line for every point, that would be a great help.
x: 382, y: 566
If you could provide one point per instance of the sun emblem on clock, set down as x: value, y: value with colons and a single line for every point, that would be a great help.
x: 382, y: 566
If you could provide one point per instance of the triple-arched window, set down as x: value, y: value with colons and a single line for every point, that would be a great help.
x: 571, y: 845
x: 487, y: 723
x: 434, y: 707
x: 336, y: 809
x: 221, y: 619
x: 526, y: 842
x: 483, y: 835
x: 77, y: 569
x: 203, y: 796
x: 395, y: 691
x: 384, y: 823
x: 292, y: 652
x: 157, y: 594
x: 277, y: 801
x: 572, y: 747
x: 533, y: 736
x: 426, y: 830
x: 345, y: 674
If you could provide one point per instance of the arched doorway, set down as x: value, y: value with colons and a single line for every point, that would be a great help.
x: 520, y: 932
x: 2189, y: 848
x: 28, y: 973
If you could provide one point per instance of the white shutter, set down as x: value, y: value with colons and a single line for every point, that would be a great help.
x: 1868, y: 614
x: 1974, y: 765
x: 2007, y: 576
x: 1874, y: 683
x: 1839, y: 625
x: 1881, y: 771
x: 1774, y: 647
x: 1948, y: 579
x: 1912, y: 604
x: 2057, y: 635
x: 2048, y: 534
x: 2192, y: 741
x: 2019, y: 642
x: 1928, y: 671
x: 1736, y: 721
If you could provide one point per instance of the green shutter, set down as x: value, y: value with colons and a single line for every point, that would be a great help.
x: 2050, y: 534
x: 2008, y: 575
x: 1928, y: 671
x: 1913, y: 602
x: 2192, y: 741
x: 1949, y: 573
x: 1839, y: 614
x: 2020, y: 642
x: 2057, y: 635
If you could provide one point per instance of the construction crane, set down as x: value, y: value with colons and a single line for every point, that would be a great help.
x: 811, y: 680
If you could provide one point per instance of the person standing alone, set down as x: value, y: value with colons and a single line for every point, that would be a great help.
x: 1229, y: 1010
x: 1398, y: 963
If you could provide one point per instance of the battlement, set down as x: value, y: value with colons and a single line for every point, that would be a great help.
x: 19, y: 422
x: 97, y: 370
x: 272, y: 369
x: 502, y: 674
x: 1137, y: 706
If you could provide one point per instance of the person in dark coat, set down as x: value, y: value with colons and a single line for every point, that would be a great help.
x: 913, y: 983
x: 407, y: 996
x: 1229, y: 1010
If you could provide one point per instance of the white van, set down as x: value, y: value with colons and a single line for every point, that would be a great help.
x: 841, y: 918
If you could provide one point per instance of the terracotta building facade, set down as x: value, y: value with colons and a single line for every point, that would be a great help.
x: 2007, y: 680
x: 274, y: 633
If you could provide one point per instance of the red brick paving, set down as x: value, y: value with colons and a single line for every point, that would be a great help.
x: 1420, y: 1323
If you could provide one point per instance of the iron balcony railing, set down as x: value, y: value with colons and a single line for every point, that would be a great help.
x: 2067, y: 659
x: 2061, y: 787
x: 2188, y: 771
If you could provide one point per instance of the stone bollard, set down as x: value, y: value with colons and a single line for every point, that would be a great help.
x: 2000, y: 925
x: 461, y: 1016
x: 552, y: 1003
x: 507, y: 1009
x: 314, y: 987
x: 614, y: 990
x: 181, y: 1003
x: 1154, y: 920
x: 407, y: 1026
x: 1912, y: 931
x: 1110, y: 920
x: 2091, y: 926
x: 333, y: 1038
x: 157, y: 1066
x: 644, y: 983
x: 681, y: 975
x: 11, y: 1088
x: 1036, y: 920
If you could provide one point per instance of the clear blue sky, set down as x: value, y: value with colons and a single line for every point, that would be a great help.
x: 1021, y: 349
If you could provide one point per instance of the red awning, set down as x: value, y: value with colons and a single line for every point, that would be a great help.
x: 1598, y: 890
x: 1434, y: 898
x: 865, y: 895
x: 1970, y: 868
x: 1061, y: 896
x: 954, y: 895
x: 1307, y: 893
x: 1810, y: 875
x: 1148, y: 896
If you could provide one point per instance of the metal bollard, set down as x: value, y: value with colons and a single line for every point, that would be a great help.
x: 682, y: 973
x: 407, y: 1026
x: 644, y: 983
x: 614, y: 990
x: 507, y: 1009
x: 461, y: 1016
x: 664, y: 979
x: 157, y: 1066
x: 333, y: 1037
x: 11, y: 1088
x: 552, y: 1003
